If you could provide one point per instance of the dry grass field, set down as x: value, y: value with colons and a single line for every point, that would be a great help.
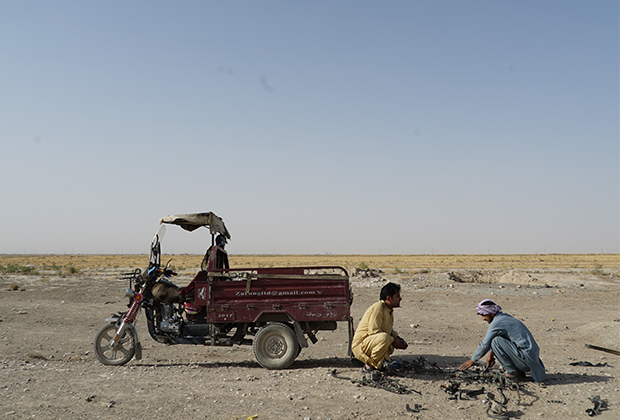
x: 405, y: 263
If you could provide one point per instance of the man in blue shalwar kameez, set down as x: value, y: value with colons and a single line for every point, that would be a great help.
x: 510, y: 342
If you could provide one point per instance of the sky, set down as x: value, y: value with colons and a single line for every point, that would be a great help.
x: 323, y: 127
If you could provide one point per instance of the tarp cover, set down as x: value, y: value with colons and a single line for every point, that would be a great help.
x: 193, y: 221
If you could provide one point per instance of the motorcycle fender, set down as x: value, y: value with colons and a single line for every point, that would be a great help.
x: 301, y: 339
x: 114, y: 319
x: 138, y: 355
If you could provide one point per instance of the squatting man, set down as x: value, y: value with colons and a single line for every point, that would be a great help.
x: 507, y: 339
x: 510, y: 342
x: 375, y: 338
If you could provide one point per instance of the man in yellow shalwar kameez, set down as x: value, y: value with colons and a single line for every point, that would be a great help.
x: 375, y: 339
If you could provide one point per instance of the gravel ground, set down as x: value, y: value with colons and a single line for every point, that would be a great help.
x: 48, y: 369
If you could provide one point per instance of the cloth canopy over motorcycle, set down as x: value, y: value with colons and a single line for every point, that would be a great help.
x: 193, y: 221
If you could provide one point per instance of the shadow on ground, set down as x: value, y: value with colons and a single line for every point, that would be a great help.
x: 328, y: 362
x: 575, y: 378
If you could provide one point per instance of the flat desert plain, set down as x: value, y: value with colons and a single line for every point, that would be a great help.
x: 51, y: 306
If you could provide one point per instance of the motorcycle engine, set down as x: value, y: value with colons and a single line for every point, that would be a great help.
x: 170, y: 323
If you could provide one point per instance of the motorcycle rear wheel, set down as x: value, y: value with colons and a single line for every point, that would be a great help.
x: 117, y: 355
x: 275, y: 346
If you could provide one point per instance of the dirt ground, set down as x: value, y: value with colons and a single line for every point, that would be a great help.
x: 48, y: 369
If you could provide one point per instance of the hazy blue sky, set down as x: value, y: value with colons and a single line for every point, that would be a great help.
x: 346, y: 127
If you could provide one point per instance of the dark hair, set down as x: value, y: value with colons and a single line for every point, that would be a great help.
x: 389, y: 289
x: 488, y: 303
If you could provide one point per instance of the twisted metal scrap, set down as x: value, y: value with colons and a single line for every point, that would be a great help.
x: 397, y: 368
x: 404, y: 368
x: 599, y: 405
x: 493, y: 377
x: 387, y: 384
x: 496, y: 408
x: 416, y: 408
x: 455, y: 393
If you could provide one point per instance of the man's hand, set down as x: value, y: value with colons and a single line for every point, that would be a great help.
x: 466, y: 365
x: 399, y: 343
x: 490, y: 359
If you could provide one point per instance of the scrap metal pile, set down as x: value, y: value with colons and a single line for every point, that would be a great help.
x: 396, y: 368
x: 491, y: 384
x: 497, y: 402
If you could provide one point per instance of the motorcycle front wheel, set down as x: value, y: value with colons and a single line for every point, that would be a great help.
x: 119, y: 353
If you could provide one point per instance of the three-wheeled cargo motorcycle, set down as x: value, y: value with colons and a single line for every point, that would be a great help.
x: 276, y: 310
